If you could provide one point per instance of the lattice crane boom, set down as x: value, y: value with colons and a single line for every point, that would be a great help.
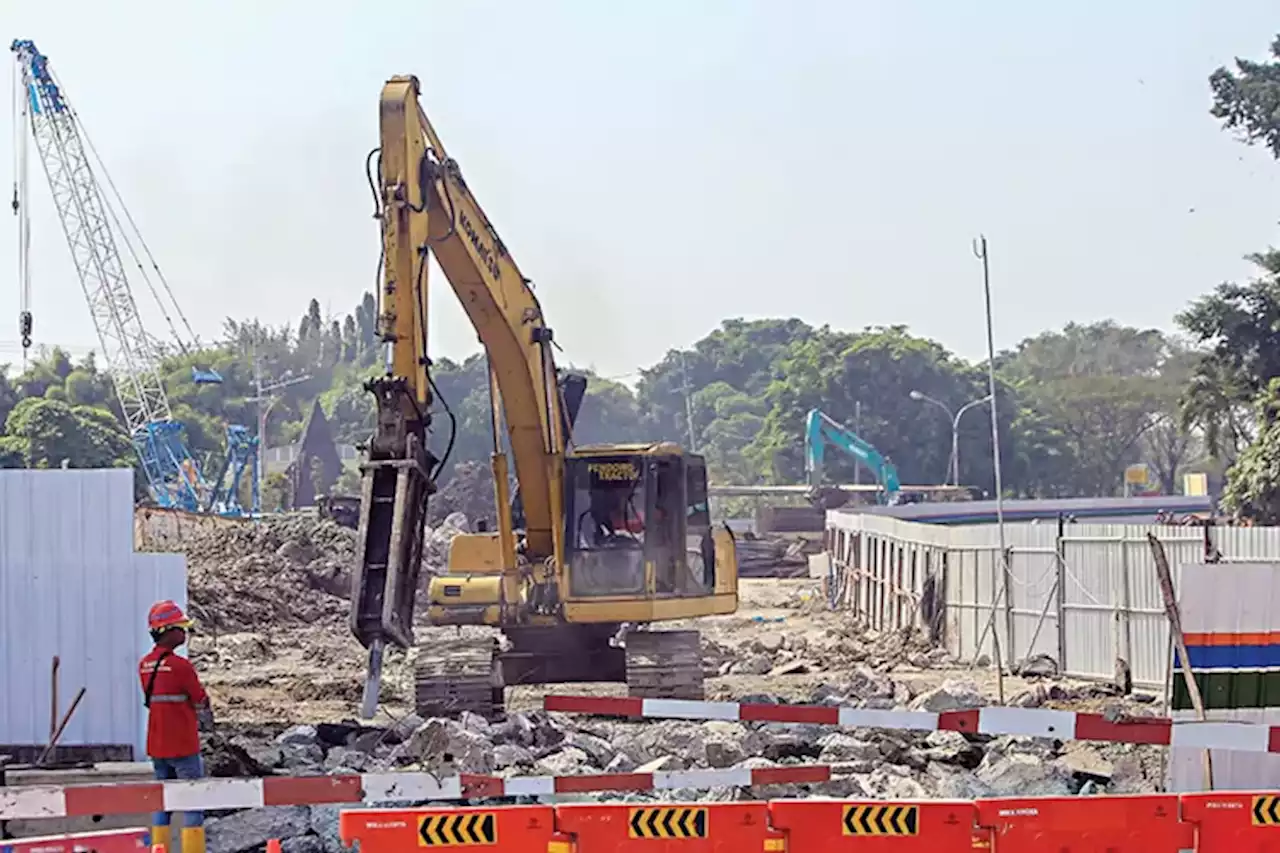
x: 132, y: 357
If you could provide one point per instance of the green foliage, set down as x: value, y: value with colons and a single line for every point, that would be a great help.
x: 1075, y: 406
x: 1253, y: 484
x: 1239, y: 327
x: 1102, y: 390
x: 1247, y: 100
x: 44, y: 433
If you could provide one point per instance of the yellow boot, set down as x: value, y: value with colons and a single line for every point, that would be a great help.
x: 193, y: 839
x: 160, y: 837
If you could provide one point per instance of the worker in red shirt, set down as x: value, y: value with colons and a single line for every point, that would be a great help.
x: 178, y: 707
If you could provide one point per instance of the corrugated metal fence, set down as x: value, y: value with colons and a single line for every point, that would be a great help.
x: 1085, y: 594
x: 72, y: 585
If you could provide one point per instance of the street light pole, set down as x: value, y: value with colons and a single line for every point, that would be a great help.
x: 955, y: 437
x: 265, y: 392
x: 921, y: 397
x: 953, y: 464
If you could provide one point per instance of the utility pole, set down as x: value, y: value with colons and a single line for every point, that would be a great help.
x: 688, y: 402
x: 264, y: 392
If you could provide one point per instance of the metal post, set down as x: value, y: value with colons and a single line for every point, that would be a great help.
x: 1060, y: 587
x: 263, y: 392
x: 955, y: 449
x: 980, y: 250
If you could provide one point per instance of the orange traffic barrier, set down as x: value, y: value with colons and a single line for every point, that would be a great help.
x: 1236, y: 822
x: 1119, y: 824
x: 871, y: 826
x: 667, y: 828
x: 513, y: 829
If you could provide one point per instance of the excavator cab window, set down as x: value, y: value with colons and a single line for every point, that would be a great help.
x: 700, y: 548
x: 667, y: 523
x: 605, y: 520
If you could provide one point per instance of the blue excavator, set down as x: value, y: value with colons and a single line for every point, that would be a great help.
x: 821, y: 430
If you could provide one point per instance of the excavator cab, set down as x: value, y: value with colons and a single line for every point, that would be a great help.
x: 637, y: 522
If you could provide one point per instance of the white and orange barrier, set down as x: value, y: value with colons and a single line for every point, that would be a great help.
x: 107, y: 841
x: 43, y: 801
x: 1032, y: 722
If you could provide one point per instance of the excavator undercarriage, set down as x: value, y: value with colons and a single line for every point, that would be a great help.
x: 472, y: 674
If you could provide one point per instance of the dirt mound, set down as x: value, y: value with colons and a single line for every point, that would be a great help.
x: 280, y: 571
x: 469, y: 491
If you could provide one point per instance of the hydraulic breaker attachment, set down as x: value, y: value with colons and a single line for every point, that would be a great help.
x: 393, y: 503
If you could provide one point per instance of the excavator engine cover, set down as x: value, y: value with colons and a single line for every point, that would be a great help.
x: 465, y: 600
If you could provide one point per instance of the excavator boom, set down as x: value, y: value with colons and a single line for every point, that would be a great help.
x: 425, y: 209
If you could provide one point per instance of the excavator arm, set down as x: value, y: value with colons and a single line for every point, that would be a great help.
x: 425, y: 209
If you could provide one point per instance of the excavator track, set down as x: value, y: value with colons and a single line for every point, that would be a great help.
x: 664, y: 665
x: 457, y: 676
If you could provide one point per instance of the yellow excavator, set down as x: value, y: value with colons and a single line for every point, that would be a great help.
x: 596, y: 543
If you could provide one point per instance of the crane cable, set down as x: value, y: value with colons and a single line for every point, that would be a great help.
x: 20, y: 211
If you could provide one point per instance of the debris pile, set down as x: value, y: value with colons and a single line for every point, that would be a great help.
x: 284, y: 570
x: 869, y: 763
x: 468, y: 491
x: 760, y: 557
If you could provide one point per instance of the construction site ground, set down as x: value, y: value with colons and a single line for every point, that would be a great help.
x: 286, y: 677
x: 314, y: 673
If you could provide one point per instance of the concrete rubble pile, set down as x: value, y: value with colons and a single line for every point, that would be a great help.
x: 870, y: 763
x: 284, y: 570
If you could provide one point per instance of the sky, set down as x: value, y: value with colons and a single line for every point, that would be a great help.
x: 658, y: 167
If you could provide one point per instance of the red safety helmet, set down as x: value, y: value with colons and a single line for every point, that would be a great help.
x: 166, y: 614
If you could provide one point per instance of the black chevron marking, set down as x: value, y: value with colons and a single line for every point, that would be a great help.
x: 864, y: 820
x: 489, y: 828
x: 849, y: 825
x: 424, y: 830
x: 652, y: 824
x: 881, y: 813
x: 700, y: 823
x: 1273, y: 809
x: 912, y: 820
x: 669, y: 829
x: 469, y: 831
x: 637, y: 828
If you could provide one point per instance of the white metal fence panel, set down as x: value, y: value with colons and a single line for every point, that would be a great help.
x: 71, y: 585
x: 1085, y: 594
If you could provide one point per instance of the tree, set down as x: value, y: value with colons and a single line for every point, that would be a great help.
x: 1100, y: 387
x: 879, y: 367
x: 1253, y: 482
x: 45, y: 433
x: 1247, y: 100
x: 1239, y: 327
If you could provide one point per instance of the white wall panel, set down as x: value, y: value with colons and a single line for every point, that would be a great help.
x: 71, y: 585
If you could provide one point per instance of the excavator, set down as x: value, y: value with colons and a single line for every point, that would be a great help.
x: 821, y: 429
x: 593, y: 546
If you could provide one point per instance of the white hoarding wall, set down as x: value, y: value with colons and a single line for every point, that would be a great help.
x: 72, y: 585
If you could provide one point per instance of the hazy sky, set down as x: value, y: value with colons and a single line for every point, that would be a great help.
x: 656, y: 167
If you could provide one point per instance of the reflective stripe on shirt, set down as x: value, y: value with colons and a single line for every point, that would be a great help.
x: 178, y: 698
